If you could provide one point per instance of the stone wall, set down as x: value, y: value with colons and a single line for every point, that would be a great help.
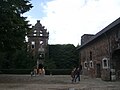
x: 96, y: 50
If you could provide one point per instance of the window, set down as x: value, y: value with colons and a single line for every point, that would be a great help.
x: 85, y: 64
x: 32, y: 44
x: 90, y: 55
x: 91, y: 64
x: 41, y: 56
x: 40, y: 31
x: 35, y: 31
x: 34, y: 34
x: 41, y: 42
x: 41, y: 34
x: 105, y: 63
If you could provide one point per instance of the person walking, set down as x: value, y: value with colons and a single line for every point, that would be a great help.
x: 77, y: 73
x: 73, y: 74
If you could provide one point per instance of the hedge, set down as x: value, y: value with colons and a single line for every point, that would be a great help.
x: 27, y: 71
x: 58, y: 71
x: 15, y: 71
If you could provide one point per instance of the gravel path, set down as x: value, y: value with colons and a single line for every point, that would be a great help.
x: 55, y: 82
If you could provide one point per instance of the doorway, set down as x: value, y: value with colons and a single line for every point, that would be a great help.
x: 98, y: 67
x: 116, y: 62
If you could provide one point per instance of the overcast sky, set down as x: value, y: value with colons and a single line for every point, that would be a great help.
x: 68, y: 20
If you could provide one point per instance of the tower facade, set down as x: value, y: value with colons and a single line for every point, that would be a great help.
x: 38, y: 42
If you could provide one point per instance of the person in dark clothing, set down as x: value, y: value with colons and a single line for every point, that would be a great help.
x: 73, y: 74
x: 78, y: 72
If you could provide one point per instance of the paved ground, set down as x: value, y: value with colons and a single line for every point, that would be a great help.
x: 55, y: 82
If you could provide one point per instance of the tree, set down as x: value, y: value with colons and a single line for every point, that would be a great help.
x: 13, y: 26
x: 22, y: 60
x: 63, y: 56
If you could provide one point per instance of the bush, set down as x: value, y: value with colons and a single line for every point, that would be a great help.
x: 15, y: 71
x: 58, y: 71
x: 27, y: 71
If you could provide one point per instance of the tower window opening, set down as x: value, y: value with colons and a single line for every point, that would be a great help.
x: 32, y: 44
x: 41, y: 34
x: 41, y: 42
x: 34, y: 34
x: 35, y: 31
x: 40, y: 31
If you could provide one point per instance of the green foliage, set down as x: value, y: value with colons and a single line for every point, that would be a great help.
x: 50, y: 64
x: 62, y: 56
x: 58, y: 71
x: 13, y: 28
x: 15, y: 71
x: 27, y: 71
x: 20, y: 59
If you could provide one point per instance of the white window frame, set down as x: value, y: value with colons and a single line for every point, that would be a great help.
x: 105, y: 63
x: 91, y: 65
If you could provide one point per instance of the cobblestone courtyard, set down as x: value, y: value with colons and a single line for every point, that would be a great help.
x: 55, y: 82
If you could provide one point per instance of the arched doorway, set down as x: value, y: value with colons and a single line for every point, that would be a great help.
x: 40, y: 66
x: 116, y: 62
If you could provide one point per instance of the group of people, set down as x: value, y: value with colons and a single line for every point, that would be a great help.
x: 75, y: 74
x: 38, y: 72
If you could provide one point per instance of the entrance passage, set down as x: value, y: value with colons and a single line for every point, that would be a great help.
x: 98, y: 70
x: 116, y: 62
x: 40, y: 66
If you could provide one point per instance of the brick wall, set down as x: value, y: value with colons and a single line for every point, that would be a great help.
x: 101, y: 47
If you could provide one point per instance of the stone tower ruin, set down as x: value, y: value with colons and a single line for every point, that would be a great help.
x: 37, y: 43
